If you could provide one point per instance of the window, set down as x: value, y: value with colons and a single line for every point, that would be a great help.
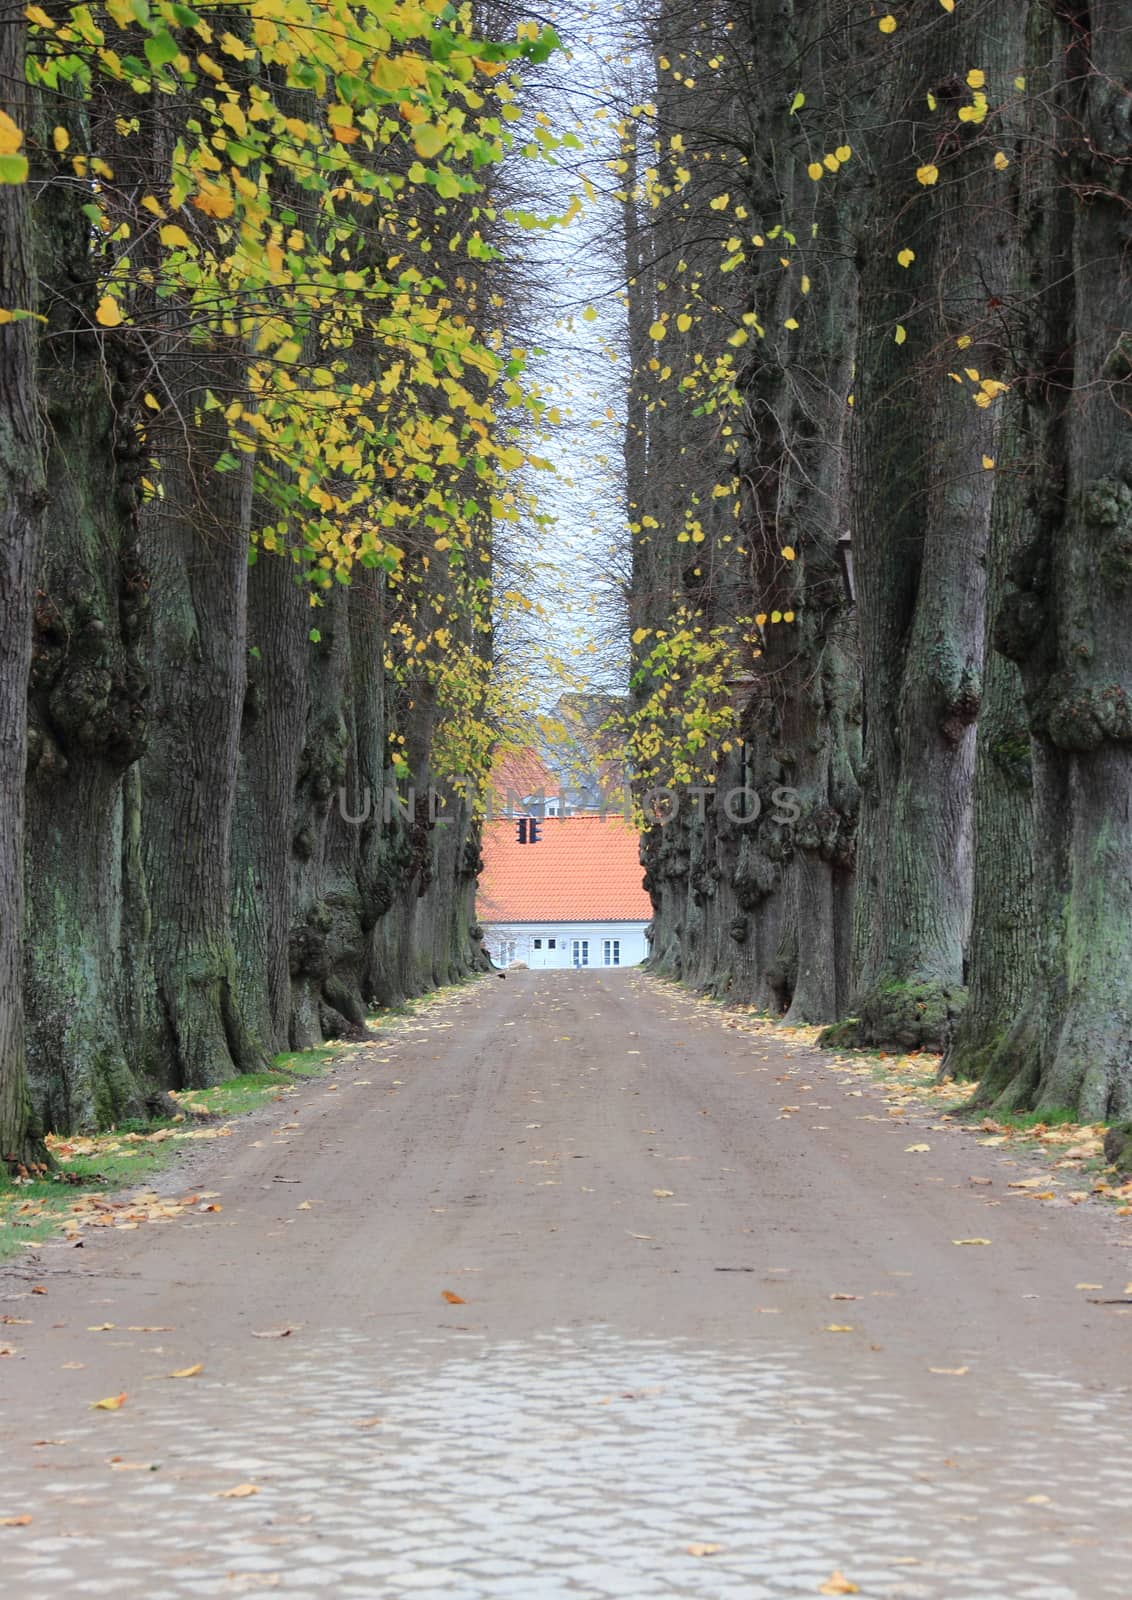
x: 581, y: 952
x: 550, y: 944
x: 611, y: 952
x: 538, y: 944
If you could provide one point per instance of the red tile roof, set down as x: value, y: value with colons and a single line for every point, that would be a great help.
x: 583, y: 869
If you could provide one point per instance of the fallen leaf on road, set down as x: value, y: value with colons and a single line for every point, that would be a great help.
x: 188, y: 1372
x: 1037, y: 1500
x: 649, y: 1236
x: 664, y: 1194
x: 240, y: 1492
x: 838, y: 1583
x: 970, y: 1241
x: 304, y: 1205
x: 38, y: 1289
x: 839, y: 1327
x: 104, y: 1327
x: 114, y: 1403
x: 915, y: 1149
x: 844, y: 1297
x: 370, y: 1422
x: 453, y: 1299
x: 273, y: 1333
x: 1088, y: 1285
x: 164, y: 1327
x: 983, y: 1182
x: 950, y: 1372
x: 15, y: 1522
x: 703, y: 1549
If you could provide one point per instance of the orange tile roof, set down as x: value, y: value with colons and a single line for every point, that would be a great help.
x: 583, y: 869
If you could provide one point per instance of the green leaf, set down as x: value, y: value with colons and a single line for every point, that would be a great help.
x: 13, y: 169
x: 162, y: 47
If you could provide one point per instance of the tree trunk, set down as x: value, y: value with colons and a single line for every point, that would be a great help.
x: 921, y: 504
x: 196, y: 537
x: 86, y: 695
x: 22, y: 501
x: 1067, y: 616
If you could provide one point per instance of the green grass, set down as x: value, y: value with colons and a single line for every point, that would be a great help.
x: 125, y: 1157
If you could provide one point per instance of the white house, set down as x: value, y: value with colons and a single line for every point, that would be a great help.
x: 573, y: 898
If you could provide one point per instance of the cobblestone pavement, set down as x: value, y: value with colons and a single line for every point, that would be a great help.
x: 641, y: 1391
x: 572, y: 1466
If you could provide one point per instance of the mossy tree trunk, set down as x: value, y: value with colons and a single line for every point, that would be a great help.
x: 22, y: 501
x: 87, y: 698
x: 922, y: 500
x: 1067, y: 619
x: 795, y: 387
x: 196, y: 539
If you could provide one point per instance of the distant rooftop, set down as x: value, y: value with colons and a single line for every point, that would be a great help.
x: 583, y: 869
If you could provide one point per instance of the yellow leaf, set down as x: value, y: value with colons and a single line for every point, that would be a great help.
x: 976, y: 79
x: 988, y: 463
x: 1001, y: 161
x: 970, y: 1241
x: 172, y: 235
x: 816, y: 170
x: 453, y: 1299
x: 906, y: 257
x: 695, y: 1549
x: 109, y: 312
x: 429, y: 140
x: 788, y: 552
x: 657, y: 331
x: 37, y: 15
x: 60, y: 139
x: 788, y: 616
x: 915, y: 1149
x: 15, y: 1522
x: 838, y: 1583
x: 927, y: 174
x: 887, y: 24
x: 240, y: 1492
x: 839, y: 1327
x: 114, y: 1403
x: 664, y: 1194
x: 10, y: 136
x: 589, y: 314
x: 683, y: 322
x: 640, y: 635
x: 950, y: 1372
x: 901, y: 333
x: 188, y: 1372
x: 948, y: 5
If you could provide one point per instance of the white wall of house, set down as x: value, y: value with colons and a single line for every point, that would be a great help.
x: 567, y: 944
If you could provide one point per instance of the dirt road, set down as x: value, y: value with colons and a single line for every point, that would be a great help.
x: 647, y: 1386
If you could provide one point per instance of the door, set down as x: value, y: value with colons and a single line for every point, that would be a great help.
x: 581, y: 952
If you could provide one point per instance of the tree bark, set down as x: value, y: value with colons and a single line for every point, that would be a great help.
x: 921, y: 507
x: 196, y: 536
x: 1066, y: 619
x: 86, y: 696
x: 22, y: 501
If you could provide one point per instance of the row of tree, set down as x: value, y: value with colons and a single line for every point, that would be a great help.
x: 879, y: 324
x: 257, y: 424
